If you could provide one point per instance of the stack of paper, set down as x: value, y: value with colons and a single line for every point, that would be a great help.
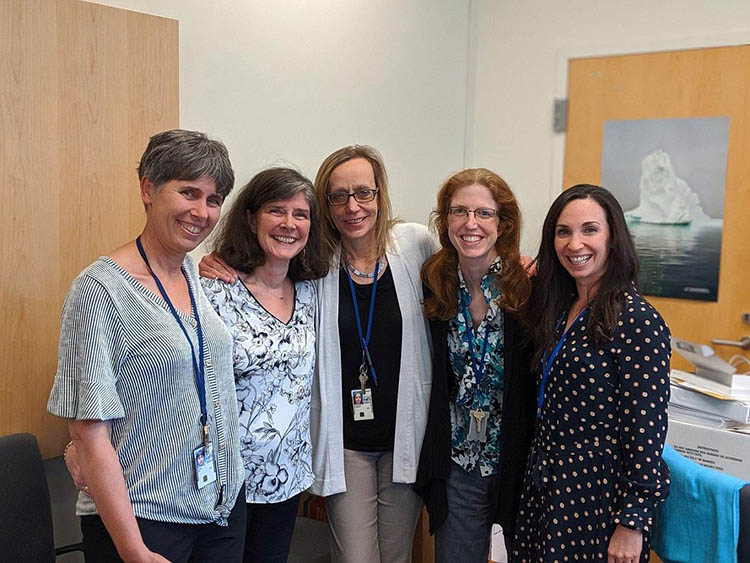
x: 689, y: 403
x: 728, y: 386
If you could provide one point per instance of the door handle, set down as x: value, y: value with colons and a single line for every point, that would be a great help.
x: 743, y: 342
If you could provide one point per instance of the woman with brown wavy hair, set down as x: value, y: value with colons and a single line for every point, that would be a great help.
x: 371, y: 390
x: 481, y: 414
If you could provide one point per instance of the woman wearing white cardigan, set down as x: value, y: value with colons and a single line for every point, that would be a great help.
x: 365, y: 456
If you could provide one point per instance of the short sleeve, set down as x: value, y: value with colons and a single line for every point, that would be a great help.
x: 215, y: 293
x: 642, y: 352
x: 91, y: 348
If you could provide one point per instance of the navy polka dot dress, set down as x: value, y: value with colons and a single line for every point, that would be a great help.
x: 596, y: 457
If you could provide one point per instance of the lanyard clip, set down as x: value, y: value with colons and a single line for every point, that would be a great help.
x: 206, y: 437
x: 363, y: 376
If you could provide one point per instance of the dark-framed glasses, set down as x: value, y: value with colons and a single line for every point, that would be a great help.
x: 360, y: 195
x: 480, y: 213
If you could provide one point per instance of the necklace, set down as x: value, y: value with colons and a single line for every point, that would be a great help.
x: 366, y: 275
x: 268, y: 289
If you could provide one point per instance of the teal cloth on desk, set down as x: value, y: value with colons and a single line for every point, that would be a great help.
x: 700, y: 520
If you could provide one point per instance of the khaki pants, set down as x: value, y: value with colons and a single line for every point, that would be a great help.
x: 375, y: 519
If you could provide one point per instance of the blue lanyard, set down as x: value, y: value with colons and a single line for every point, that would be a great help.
x: 198, y: 368
x: 547, y: 362
x: 478, y: 367
x: 365, y: 340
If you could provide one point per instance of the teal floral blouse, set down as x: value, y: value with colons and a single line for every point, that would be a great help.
x: 489, y: 395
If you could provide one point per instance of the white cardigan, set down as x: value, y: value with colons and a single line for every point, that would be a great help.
x: 409, y: 247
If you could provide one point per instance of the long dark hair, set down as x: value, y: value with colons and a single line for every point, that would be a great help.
x: 238, y: 245
x: 555, y: 289
x: 440, y: 272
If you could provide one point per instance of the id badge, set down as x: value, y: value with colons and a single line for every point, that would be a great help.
x: 362, y: 404
x: 477, y: 425
x: 203, y: 461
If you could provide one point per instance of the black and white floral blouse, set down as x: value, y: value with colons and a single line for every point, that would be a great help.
x: 273, y: 370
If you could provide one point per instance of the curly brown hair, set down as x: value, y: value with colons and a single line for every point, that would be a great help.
x: 440, y: 272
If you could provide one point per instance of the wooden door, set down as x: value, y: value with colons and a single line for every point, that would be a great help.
x: 675, y: 84
x: 82, y: 87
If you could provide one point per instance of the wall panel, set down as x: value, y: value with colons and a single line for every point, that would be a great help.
x: 82, y: 87
x: 28, y: 209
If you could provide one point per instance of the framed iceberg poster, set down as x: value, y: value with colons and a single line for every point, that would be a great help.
x: 669, y: 176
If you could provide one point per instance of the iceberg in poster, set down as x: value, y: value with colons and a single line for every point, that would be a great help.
x: 671, y: 174
x: 665, y: 198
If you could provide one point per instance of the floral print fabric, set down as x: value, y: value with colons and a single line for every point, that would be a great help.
x: 489, y: 395
x: 273, y: 371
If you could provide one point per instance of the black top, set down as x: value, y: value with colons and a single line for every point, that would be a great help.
x: 385, y: 350
x: 517, y: 430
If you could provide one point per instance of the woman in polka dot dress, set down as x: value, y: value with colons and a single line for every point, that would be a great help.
x: 595, y: 472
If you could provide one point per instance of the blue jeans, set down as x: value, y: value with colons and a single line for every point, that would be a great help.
x: 465, y: 535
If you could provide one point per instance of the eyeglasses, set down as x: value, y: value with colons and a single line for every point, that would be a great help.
x: 360, y: 195
x: 480, y: 213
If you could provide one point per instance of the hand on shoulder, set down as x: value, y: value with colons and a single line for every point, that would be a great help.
x: 212, y: 266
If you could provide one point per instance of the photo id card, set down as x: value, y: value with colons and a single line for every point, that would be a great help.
x: 203, y: 461
x: 362, y: 404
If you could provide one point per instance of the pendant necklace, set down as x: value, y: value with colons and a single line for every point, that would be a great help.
x: 268, y: 289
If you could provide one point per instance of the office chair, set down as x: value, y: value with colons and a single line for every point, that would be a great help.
x: 25, y: 512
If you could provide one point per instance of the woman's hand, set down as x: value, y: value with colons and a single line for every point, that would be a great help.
x: 148, y: 557
x: 212, y: 266
x: 529, y: 264
x: 625, y: 545
x: 99, y: 468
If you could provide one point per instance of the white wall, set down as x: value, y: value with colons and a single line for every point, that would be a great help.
x: 292, y: 81
x: 436, y: 85
x: 521, y: 49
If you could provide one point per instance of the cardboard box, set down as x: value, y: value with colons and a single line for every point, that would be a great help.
x: 723, y: 450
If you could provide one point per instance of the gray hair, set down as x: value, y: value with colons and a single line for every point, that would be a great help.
x: 186, y: 155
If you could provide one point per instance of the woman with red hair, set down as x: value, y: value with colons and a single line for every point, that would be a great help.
x: 481, y: 414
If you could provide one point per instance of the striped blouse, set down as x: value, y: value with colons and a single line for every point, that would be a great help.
x: 123, y: 358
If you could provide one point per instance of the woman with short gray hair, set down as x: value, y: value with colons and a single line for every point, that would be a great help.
x: 144, y: 376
